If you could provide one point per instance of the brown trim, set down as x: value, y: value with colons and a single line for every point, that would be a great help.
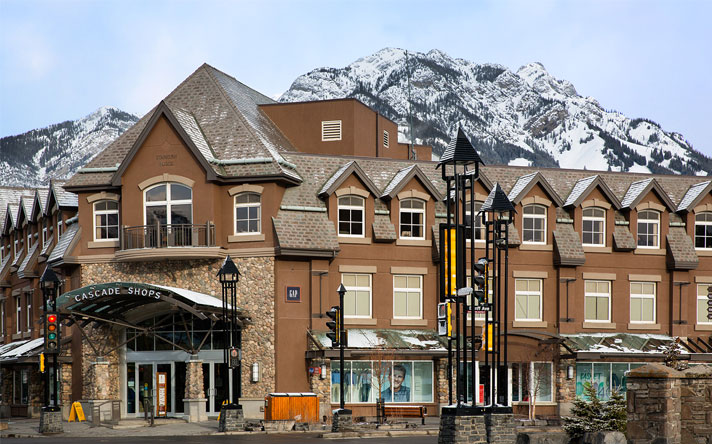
x: 245, y: 237
x: 103, y: 244
x: 600, y: 276
x: 642, y: 326
x: 587, y: 249
x: 536, y: 247
x: 414, y: 242
x: 354, y: 240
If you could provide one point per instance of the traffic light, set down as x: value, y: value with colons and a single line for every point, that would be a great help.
x: 479, y: 282
x: 51, y: 336
x: 334, y: 325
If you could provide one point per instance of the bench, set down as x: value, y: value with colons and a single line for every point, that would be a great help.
x: 405, y: 411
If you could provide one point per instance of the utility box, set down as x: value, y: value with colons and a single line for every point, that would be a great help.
x: 299, y: 407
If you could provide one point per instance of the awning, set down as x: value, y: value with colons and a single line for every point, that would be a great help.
x: 364, y: 342
x: 590, y: 345
x: 21, y: 351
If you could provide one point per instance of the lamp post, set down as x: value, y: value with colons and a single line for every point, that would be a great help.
x: 342, y: 342
x: 229, y: 276
x: 49, y: 283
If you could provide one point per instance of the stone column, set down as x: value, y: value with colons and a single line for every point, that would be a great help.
x: 99, y: 403
x: 696, y: 400
x: 654, y: 405
x: 194, y: 402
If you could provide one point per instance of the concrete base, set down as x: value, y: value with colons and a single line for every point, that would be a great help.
x: 253, y: 408
x: 486, y: 428
x: 231, y: 420
x: 194, y: 410
x: 51, y: 421
x: 342, y: 421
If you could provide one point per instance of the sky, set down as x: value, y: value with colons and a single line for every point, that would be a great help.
x: 62, y: 59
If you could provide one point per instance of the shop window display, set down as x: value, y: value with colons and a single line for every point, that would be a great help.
x: 403, y: 381
x: 604, y: 377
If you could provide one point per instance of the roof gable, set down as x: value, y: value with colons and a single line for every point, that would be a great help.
x: 25, y: 210
x: 638, y: 190
x: 694, y: 195
x: 584, y: 187
x: 39, y: 203
x: 525, y: 183
x: 405, y: 175
x: 336, y: 179
x: 60, y: 197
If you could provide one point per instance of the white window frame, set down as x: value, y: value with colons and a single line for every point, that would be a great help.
x: 2, y: 253
x: 704, y: 223
x: 44, y: 236
x: 331, y: 130
x: 530, y: 380
x: 408, y: 290
x: 386, y: 139
x: 28, y: 309
x: 593, y: 220
x: 648, y: 221
x: 598, y: 295
x: 527, y: 294
x: 644, y: 296
x: 169, y: 202
x: 702, y: 297
x: 368, y: 289
x: 18, y: 314
x: 106, y: 213
x: 351, y: 208
x: 479, y: 216
x: 535, y: 216
x: 412, y: 211
x: 257, y: 204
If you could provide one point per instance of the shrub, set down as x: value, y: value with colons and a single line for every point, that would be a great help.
x: 594, y: 415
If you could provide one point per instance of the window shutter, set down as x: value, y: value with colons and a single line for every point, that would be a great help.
x: 330, y: 130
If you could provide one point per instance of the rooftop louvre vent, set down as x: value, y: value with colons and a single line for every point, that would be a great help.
x: 330, y: 130
x: 385, y: 139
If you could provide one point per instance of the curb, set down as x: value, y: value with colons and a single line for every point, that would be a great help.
x: 378, y: 434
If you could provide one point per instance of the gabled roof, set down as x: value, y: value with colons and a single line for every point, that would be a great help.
x: 25, y: 210
x: 336, y: 179
x: 11, y: 216
x: 64, y: 245
x: 525, y: 183
x: 25, y: 270
x: 638, y: 190
x: 460, y: 150
x: 61, y: 197
x: 693, y: 195
x: 401, y: 179
x: 584, y: 187
x: 39, y: 203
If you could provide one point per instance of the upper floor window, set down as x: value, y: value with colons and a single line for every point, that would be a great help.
x: 44, y: 236
x: 247, y: 213
x: 169, y: 203
x: 28, y: 302
x: 408, y: 296
x: 703, y: 230
x: 527, y: 300
x: 18, y: 314
x: 594, y: 226
x: 534, y: 224
x: 351, y: 216
x: 412, y: 219
x: 59, y: 226
x: 597, y: 303
x: 479, y: 222
x: 702, y: 292
x: 106, y: 220
x: 357, y: 300
x: 642, y: 302
x: 330, y: 130
x: 649, y: 229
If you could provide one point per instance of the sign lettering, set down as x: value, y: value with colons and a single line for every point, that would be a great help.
x: 95, y: 293
x: 294, y: 294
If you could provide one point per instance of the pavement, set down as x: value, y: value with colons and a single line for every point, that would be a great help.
x: 29, y: 428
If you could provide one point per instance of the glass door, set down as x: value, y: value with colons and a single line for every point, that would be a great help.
x: 145, y: 385
x: 216, y: 381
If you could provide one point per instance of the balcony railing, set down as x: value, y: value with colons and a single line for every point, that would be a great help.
x: 168, y: 235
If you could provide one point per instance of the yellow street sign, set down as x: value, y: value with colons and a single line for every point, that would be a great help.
x: 77, y: 413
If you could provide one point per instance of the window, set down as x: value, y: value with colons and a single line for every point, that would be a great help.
x: 351, y: 216
x: 604, y: 377
x: 597, y: 301
x: 385, y: 139
x: 594, y: 227
x: 15, y: 248
x: 480, y: 218
x: 395, y: 381
x: 649, y: 229
x: 247, y: 213
x: 357, y: 300
x: 532, y: 379
x: 29, y: 238
x: 2, y: 318
x: 169, y: 204
x: 59, y: 225
x: 106, y: 220
x: 407, y: 296
x: 18, y: 315
x: 412, y: 219
x: 527, y: 300
x: 44, y: 237
x: 703, y: 230
x: 330, y: 130
x: 534, y: 224
x: 702, y: 304
x: 28, y: 302
x: 642, y: 302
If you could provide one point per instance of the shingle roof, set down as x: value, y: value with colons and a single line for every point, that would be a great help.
x: 383, y: 229
x: 568, y: 250
x: 584, y: 186
x: 401, y: 179
x: 635, y: 189
x: 344, y: 172
x: 460, y: 150
x: 640, y: 189
x: 527, y: 182
x: 5, y: 269
x: 693, y: 195
x: 64, y: 198
x: 25, y: 268
x: 681, y: 251
x: 623, y: 239
x: 63, y: 245
x: 305, y: 230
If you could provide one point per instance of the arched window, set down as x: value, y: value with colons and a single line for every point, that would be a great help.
x: 648, y: 229
x: 534, y: 224
x: 594, y: 227
x: 412, y: 219
x: 703, y: 230
x: 106, y: 221
x: 168, y: 204
x: 247, y: 213
x: 351, y: 216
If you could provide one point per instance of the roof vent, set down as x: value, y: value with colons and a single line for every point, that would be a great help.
x: 385, y: 139
x: 330, y: 130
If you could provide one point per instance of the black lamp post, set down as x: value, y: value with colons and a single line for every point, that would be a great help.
x: 229, y: 276
x: 342, y: 343
x: 49, y: 283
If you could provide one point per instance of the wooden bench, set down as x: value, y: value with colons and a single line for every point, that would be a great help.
x: 405, y: 411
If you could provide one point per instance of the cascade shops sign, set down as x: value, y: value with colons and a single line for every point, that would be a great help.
x: 112, y: 289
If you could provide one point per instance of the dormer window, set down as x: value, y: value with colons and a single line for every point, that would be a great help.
x: 247, y: 213
x: 594, y: 227
x: 106, y: 220
x: 330, y: 130
x: 703, y: 231
x: 351, y: 216
x: 648, y: 229
x: 534, y: 224
x: 412, y: 219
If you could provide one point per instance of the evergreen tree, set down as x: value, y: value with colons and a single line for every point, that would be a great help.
x: 615, y: 412
x: 587, y: 415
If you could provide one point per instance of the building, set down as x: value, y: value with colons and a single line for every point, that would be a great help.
x: 605, y: 267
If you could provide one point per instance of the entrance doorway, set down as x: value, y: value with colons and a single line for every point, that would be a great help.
x: 216, y: 380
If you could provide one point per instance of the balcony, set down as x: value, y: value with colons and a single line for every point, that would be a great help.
x: 168, y: 241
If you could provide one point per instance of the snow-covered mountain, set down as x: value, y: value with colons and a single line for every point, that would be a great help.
x: 59, y: 150
x: 526, y: 117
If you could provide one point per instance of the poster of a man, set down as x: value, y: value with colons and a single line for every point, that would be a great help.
x: 400, y: 391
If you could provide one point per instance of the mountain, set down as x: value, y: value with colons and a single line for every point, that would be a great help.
x: 526, y: 117
x: 59, y: 150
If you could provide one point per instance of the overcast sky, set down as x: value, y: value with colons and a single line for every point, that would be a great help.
x: 61, y: 59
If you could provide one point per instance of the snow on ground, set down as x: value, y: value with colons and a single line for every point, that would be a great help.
x: 520, y: 161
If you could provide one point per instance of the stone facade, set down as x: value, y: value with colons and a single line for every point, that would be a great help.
x: 696, y: 403
x: 653, y: 393
x: 51, y: 422
x: 565, y: 388
x: 456, y: 429
x: 231, y: 420
x: 441, y: 382
x: 105, y: 385
x: 322, y: 387
x: 194, y: 380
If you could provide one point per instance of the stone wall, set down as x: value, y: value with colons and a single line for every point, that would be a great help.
x: 255, y: 295
x: 322, y: 387
x: 441, y: 382
x: 696, y: 403
x: 653, y: 393
x: 565, y: 388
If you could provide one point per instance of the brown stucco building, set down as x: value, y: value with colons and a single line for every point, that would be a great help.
x: 605, y: 268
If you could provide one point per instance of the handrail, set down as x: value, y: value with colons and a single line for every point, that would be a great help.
x: 168, y: 235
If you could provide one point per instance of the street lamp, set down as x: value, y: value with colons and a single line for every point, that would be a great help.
x: 49, y: 284
x: 342, y: 342
x: 229, y: 276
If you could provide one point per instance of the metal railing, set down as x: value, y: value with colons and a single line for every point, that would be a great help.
x: 168, y: 235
